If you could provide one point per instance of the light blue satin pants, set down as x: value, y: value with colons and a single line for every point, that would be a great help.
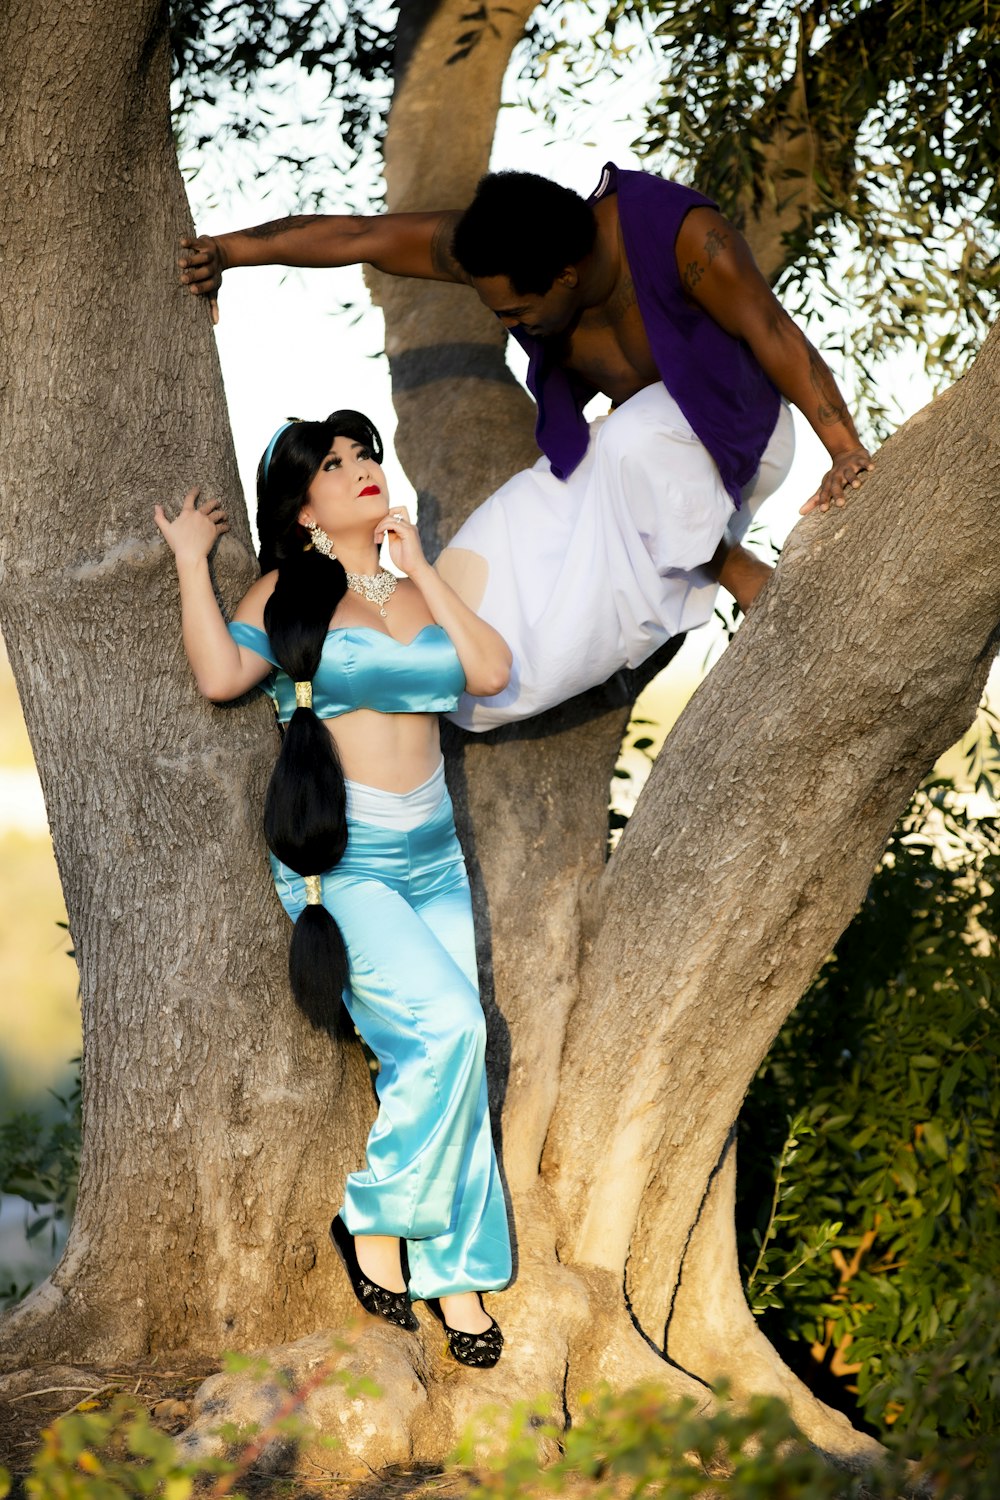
x: 401, y: 899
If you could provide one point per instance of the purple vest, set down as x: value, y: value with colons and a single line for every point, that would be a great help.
x: 714, y: 378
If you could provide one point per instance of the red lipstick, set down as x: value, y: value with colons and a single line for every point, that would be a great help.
x: 371, y: 489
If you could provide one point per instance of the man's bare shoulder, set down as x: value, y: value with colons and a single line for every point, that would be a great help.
x: 411, y: 244
x: 703, y: 237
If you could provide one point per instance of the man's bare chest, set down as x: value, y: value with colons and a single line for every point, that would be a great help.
x: 610, y: 347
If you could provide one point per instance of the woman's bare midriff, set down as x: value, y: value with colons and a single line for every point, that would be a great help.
x: 394, y: 752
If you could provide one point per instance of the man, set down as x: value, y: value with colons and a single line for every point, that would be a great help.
x: 644, y: 290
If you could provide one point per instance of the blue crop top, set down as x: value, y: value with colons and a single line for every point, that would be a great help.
x: 364, y: 668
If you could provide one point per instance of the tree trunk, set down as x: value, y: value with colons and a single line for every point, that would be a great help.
x: 194, y: 1216
x: 629, y: 1004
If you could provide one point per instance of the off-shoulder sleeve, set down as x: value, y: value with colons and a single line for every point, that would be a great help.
x: 253, y: 639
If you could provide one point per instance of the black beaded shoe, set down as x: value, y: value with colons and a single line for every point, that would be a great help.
x: 378, y: 1300
x: 481, y: 1350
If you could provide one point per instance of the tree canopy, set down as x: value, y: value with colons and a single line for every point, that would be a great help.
x: 872, y: 130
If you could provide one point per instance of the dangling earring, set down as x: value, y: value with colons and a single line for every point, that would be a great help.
x: 319, y: 540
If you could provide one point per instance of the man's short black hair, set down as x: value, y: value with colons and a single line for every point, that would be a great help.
x: 524, y: 227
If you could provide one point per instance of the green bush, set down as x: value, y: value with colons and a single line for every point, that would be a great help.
x: 640, y: 1443
x: 878, y: 1235
x: 40, y: 1162
x: 109, y: 1455
x: 118, y: 1453
x: 637, y: 1443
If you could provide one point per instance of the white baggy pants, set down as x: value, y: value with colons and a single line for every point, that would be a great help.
x: 592, y: 574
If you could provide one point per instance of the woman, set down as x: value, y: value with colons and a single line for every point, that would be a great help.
x: 363, y: 846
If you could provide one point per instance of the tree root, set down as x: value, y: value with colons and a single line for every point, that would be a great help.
x: 368, y: 1431
x: 713, y: 1333
x: 567, y: 1330
x: 610, y: 1350
x: 423, y: 1406
x: 552, y: 1317
x: 59, y: 1324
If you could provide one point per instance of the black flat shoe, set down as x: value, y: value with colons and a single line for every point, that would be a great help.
x: 481, y: 1350
x: 378, y: 1300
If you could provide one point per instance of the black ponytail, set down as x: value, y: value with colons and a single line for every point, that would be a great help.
x: 305, y: 811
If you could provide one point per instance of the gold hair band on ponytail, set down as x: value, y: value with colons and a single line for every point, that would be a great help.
x: 303, y: 695
x: 314, y: 890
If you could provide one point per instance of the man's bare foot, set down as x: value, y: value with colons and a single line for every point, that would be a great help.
x: 378, y: 1257
x: 742, y: 573
x: 464, y: 1311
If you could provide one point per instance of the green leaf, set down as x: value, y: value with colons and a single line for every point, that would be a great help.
x: 952, y: 1074
x: 936, y: 1139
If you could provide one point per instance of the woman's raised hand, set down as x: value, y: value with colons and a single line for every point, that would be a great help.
x: 194, y: 531
x: 404, y: 541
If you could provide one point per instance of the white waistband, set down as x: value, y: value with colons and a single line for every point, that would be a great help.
x: 401, y: 810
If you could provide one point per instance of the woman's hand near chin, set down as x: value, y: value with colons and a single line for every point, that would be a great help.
x: 485, y: 655
x: 405, y: 549
x: 194, y: 531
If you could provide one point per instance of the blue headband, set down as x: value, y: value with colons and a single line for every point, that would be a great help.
x: 269, y: 450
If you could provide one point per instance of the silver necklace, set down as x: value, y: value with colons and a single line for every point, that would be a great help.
x: 378, y: 588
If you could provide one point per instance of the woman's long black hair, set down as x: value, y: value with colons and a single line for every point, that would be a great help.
x: 305, y: 820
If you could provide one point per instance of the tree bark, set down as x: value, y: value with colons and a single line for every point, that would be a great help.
x: 629, y: 1003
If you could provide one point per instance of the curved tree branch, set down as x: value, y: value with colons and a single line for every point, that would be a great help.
x: 760, y: 825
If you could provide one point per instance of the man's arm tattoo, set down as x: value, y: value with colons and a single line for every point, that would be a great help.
x: 715, y: 241
x: 442, y: 258
x: 693, y: 272
x: 831, y: 407
x: 278, y: 226
x: 622, y: 298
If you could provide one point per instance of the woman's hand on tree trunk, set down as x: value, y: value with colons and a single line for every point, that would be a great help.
x: 194, y: 531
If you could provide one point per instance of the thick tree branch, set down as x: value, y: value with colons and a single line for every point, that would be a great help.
x: 761, y: 823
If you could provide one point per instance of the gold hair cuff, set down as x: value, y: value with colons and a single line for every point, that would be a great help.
x: 314, y: 887
x: 303, y: 695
